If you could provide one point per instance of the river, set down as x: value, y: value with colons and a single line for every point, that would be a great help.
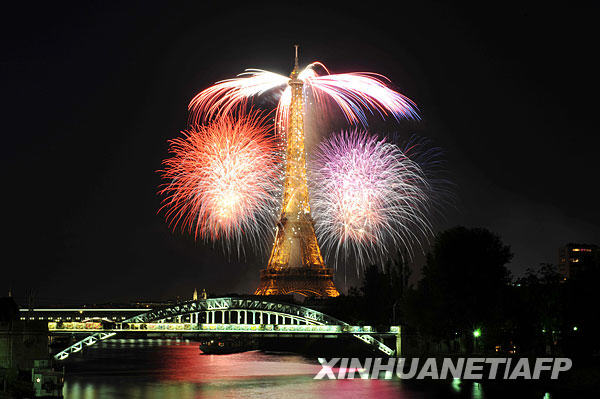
x: 149, y: 369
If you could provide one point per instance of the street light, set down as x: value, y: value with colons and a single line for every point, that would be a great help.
x: 476, y: 334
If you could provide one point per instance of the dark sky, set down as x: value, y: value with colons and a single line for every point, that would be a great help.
x: 92, y: 91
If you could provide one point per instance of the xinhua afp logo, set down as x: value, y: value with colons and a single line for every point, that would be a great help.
x: 470, y: 368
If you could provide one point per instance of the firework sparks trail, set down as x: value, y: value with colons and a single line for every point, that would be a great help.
x: 228, y: 95
x: 354, y: 93
x: 367, y: 196
x: 440, y: 189
x: 223, y: 180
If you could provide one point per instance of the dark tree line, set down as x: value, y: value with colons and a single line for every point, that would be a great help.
x: 465, y: 287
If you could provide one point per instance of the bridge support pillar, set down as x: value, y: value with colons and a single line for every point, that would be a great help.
x: 399, y: 342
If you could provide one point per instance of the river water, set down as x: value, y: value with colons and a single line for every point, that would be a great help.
x: 149, y: 369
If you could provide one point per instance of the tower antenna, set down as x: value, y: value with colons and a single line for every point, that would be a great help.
x: 296, y: 58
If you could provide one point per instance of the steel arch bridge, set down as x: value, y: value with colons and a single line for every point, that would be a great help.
x: 233, y: 315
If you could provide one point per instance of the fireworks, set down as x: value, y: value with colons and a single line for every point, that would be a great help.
x: 223, y: 180
x: 440, y: 190
x: 367, y: 196
x: 228, y: 95
x: 354, y: 93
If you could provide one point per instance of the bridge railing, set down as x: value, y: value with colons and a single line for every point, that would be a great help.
x: 220, y: 327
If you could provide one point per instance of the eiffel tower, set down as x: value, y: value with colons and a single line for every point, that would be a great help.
x: 296, y: 264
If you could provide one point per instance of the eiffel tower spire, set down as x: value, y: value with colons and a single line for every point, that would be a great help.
x: 296, y: 264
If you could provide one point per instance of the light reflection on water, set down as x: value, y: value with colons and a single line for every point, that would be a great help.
x: 149, y: 369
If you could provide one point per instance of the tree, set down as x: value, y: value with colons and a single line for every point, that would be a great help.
x: 463, y: 282
x: 533, y: 309
x: 382, y: 291
x: 581, y: 316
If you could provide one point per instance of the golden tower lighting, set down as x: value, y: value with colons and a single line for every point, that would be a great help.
x: 296, y: 264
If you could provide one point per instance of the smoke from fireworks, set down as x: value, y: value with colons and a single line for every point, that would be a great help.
x: 367, y: 196
x: 223, y: 180
x: 354, y: 93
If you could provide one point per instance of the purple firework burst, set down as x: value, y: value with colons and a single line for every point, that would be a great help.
x: 368, y: 198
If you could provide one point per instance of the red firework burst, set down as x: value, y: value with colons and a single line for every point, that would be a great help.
x: 223, y: 180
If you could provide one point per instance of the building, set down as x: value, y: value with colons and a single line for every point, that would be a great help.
x: 573, y: 258
x: 25, y: 365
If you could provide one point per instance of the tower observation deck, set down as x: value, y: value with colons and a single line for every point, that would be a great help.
x: 296, y: 264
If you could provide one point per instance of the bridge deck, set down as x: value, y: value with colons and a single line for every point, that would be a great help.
x: 190, y: 328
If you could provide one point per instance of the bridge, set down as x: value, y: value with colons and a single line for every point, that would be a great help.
x: 213, y: 316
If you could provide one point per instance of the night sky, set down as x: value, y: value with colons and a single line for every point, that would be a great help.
x: 93, y: 91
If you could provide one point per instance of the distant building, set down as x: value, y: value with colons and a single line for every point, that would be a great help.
x: 572, y: 258
x: 21, y: 342
x: 202, y: 295
x: 25, y: 364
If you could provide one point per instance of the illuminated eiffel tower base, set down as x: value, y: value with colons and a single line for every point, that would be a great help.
x: 296, y: 264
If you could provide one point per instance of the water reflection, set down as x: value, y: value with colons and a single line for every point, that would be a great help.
x: 476, y: 392
x: 176, y: 369
x: 455, y: 385
x: 149, y: 369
